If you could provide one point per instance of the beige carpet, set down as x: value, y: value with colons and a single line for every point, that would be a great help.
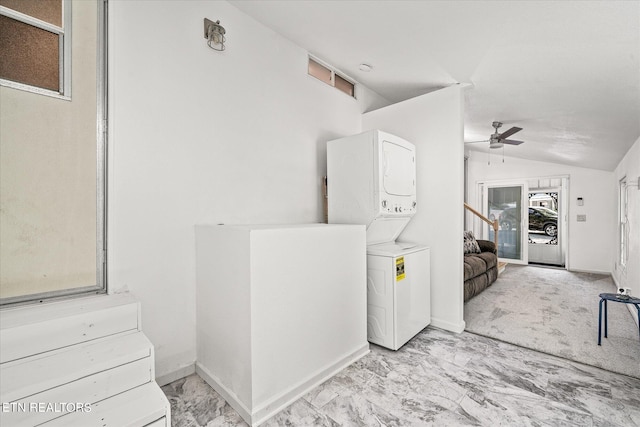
x: 556, y: 312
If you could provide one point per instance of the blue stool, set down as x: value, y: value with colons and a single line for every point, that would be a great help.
x: 616, y: 298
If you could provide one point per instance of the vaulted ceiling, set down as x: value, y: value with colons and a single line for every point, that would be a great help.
x: 567, y: 72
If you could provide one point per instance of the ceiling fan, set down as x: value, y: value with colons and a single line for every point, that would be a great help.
x: 497, y: 140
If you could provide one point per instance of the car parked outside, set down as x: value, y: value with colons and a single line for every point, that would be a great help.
x: 540, y: 219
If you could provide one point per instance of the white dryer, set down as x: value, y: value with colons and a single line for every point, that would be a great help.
x: 371, y: 180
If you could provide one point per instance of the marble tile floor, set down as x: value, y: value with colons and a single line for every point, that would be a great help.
x: 440, y: 379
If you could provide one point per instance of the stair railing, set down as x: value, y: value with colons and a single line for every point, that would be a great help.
x: 493, y: 224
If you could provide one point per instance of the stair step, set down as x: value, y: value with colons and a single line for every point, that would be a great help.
x: 30, y: 330
x: 142, y: 406
x: 501, y: 267
x: 28, y: 376
x: 82, y: 362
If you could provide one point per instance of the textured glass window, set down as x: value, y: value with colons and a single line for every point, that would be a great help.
x: 320, y: 72
x: 329, y: 76
x: 30, y: 55
x: 35, y: 41
x: 344, y: 85
x: 46, y: 10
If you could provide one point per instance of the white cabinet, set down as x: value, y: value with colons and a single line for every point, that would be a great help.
x: 279, y: 310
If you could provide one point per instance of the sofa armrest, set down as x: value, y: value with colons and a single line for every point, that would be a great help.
x: 487, y: 246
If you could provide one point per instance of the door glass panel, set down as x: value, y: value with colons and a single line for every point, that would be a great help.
x: 505, y: 205
x: 31, y: 54
x: 543, y: 218
x: 51, y: 216
x: 46, y: 10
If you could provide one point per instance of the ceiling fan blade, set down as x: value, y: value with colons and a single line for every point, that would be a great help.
x: 511, y: 141
x: 473, y: 142
x: 508, y: 133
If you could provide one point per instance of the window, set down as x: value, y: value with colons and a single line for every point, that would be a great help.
x: 623, y: 221
x: 35, y: 41
x: 52, y: 159
x: 330, y: 77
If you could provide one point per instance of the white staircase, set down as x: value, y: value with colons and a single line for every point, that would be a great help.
x: 81, y: 362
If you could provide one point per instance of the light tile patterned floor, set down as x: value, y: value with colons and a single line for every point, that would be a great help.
x: 440, y: 379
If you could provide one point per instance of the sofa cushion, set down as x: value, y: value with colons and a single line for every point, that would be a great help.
x: 489, y: 258
x: 473, y: 287
x: 470, y: 244
x: 474, y: 265
x: 487, y: 246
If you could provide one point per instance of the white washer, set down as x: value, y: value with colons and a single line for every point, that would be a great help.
x: 398, y: 292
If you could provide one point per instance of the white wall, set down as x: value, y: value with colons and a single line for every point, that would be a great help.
x: 434, y: 123
x: 199, y: 136
x: 629, y: 277
x: 590, y: 243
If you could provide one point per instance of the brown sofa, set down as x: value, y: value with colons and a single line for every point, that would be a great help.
x: 480, y: 269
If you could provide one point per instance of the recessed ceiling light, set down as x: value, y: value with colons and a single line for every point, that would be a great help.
x: 365, y: 67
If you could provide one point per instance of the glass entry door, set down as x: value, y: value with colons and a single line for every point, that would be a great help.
x: 546, y: 245
x: 506, y: 203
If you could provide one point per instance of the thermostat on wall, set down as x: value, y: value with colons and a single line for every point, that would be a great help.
x: 580, y: 201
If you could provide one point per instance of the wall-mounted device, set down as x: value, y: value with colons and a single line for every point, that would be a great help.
x: 580, y: 201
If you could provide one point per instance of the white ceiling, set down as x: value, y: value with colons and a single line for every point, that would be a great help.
x: 567, y: 72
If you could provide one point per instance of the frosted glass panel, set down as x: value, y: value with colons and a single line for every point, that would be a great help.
x: 344, y: 85
x: 48, y: 179
x: 30, y: 55
x: 319, y: 72
x: 46, y: 10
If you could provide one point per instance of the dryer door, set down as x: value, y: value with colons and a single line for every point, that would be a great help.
x: 399, y: 169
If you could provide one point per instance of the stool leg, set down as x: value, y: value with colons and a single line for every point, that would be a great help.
x: 600, y: 321
x: 638, y: 308
x: 605, y: 318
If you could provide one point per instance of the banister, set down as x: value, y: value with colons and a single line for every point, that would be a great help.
x: 493, y: 224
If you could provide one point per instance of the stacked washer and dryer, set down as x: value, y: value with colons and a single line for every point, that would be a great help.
x: 371, y: 180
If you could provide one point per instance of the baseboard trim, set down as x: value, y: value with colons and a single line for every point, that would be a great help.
x: 172, y: 376
x: 229, y: 396
x: 266, y: 410
x: 577, y: 270
x: 448, y: 326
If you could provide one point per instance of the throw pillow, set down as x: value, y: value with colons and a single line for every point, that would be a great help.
x: 470, y: 244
